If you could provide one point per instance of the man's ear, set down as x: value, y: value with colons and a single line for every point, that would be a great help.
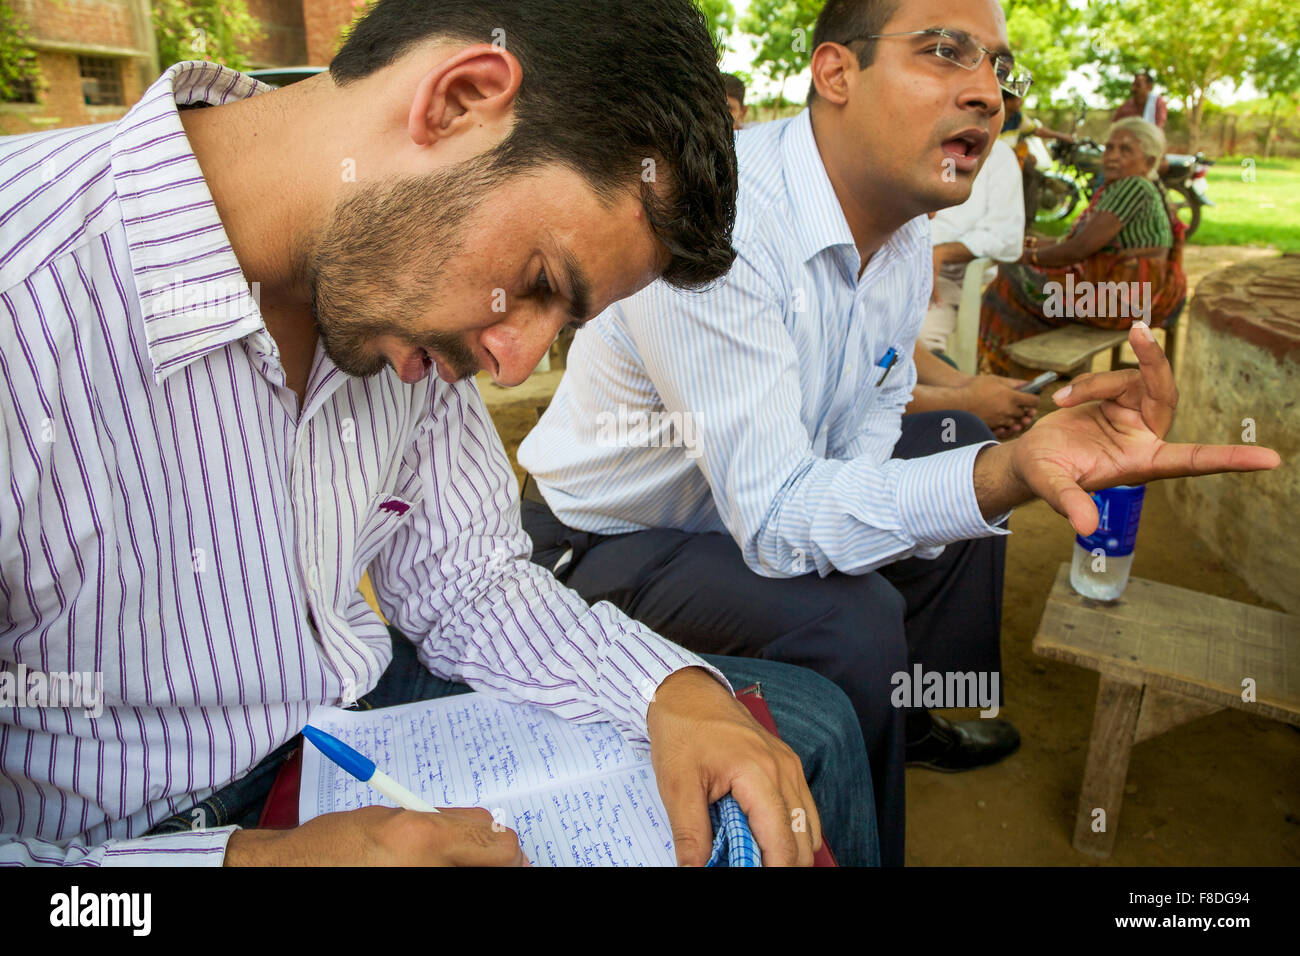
x: 831, y: 69
x: 476, y: 84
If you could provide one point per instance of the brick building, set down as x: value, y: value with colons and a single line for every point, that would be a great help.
x: 96, y: 57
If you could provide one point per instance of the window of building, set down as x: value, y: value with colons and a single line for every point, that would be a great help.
x: 101, y: 80
x: 22, y: 91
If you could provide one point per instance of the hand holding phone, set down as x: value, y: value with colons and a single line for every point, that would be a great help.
x: 1037, y: 384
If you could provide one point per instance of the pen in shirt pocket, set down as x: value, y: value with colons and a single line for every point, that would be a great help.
x: 887, y: 362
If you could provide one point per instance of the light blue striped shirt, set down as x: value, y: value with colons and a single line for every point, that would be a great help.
x: 756, y: 408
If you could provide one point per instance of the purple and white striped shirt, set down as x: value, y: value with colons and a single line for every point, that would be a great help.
x: 172, y: 524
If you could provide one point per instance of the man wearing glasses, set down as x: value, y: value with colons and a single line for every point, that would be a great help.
x: 733, y: 468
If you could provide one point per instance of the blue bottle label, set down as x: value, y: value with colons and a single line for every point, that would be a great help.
x: 1120, y: 508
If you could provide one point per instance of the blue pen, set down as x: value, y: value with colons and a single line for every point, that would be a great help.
x: 887, y: 362
x: 364, y: 769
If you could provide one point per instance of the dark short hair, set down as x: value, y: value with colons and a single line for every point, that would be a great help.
x: 606, y: 88
x: 843, y: 20
x: 735, y: 87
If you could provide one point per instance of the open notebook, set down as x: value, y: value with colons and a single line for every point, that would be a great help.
x: 577, y: 794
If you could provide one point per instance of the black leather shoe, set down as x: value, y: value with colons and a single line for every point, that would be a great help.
x: 951, y: 747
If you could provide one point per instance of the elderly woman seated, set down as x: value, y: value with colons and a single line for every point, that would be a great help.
x: 1121, y: 261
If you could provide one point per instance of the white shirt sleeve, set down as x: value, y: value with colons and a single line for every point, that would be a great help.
x: 726, y: 359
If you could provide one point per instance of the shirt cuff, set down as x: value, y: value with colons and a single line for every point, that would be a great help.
x: 654, y: 659
x: 191, y: 848
x: 936, y: 498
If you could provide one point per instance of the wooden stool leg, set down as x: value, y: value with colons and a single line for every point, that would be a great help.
x: 1115, y: 355
x: 1113, y: 724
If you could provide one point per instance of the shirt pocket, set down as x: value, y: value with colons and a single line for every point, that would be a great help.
x: 384, y: 516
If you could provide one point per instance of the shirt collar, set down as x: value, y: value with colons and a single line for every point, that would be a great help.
x: 819, y: 221
x: 193, y: 295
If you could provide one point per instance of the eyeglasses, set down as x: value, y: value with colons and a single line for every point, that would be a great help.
x: 963, y: 50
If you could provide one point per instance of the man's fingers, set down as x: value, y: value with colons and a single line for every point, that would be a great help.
x: 769, y: 818
x: 1176, y: 460
x: 1077, y: 505
x: 482, y: 840
x: 1157, y: 380
x: 802, y: 818
x: 1096, y: 387
x: 805, y: 813
x: 1065, y: 496
x: 688, y: 814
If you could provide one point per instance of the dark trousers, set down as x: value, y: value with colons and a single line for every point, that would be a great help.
x: 858, y: 630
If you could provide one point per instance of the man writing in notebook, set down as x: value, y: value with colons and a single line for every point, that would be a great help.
x: 734, y: 468
x: 221, y: 331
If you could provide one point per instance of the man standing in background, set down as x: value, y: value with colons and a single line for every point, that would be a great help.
x: 1145, y: 103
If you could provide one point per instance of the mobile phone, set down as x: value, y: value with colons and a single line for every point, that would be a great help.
x: 1037, y: 384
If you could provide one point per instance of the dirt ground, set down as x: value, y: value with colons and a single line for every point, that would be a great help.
x: 1223, y: 789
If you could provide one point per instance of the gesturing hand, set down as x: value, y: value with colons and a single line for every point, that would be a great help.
x: 704, y: 744
x: 1109, y: 431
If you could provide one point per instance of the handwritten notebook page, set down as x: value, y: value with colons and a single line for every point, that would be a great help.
x: 577, y: 794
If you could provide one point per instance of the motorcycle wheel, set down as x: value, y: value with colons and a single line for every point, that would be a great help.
x: 1186, y: 205
x: 1057, y: 197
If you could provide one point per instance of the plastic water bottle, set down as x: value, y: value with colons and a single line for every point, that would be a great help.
x: 1103, y: 559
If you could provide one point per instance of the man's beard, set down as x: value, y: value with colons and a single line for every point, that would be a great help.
x: 378, y: 264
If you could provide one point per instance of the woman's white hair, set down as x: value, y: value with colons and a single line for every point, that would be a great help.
x: 1150, y: 139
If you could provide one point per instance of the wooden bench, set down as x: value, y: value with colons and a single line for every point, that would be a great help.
x: 1067, y: 350
x: 1166, y: 655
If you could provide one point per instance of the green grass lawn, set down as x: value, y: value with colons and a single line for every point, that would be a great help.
x: 1265, y: 212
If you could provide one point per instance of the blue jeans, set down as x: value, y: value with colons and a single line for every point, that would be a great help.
x: 812, y: 714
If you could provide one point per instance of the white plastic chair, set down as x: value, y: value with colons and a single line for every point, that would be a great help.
x: 962, y: 342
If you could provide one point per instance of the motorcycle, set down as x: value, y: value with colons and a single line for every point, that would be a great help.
x: 1065, y: 175
x: 1184, y: 180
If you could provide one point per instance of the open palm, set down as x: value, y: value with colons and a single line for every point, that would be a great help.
x: 1110, y: 431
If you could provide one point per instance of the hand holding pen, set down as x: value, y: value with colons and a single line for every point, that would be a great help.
x: 421, y: 835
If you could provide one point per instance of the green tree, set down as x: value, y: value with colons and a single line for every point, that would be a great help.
x: 216, y: 30
x: 1189, y: 45
x: 1276, y: 70
x: 1048, y: 38
x: 17, y: 59
x: 783, y: 34
x: 720, y: 16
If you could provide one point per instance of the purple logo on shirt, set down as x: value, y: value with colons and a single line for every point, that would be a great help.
x: 395, y: 506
